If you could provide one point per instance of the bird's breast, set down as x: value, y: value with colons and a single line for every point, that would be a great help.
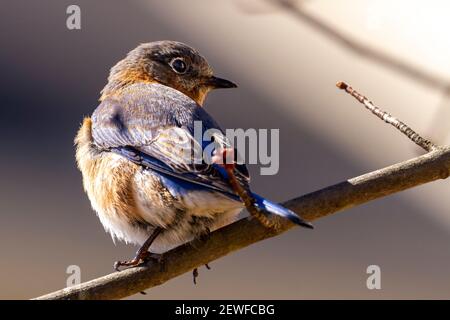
x: 131, y: 201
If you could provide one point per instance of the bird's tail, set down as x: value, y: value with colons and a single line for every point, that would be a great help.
x: 272, y: 208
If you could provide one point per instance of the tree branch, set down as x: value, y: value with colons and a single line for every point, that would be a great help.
x: 347, y: 194
x: 404, y: 175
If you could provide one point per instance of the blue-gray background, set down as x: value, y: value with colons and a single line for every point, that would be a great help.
x: 51, y: 77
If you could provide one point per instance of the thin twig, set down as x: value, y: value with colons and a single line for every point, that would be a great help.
x: 412, y: 71
x: 248, y: 200
x: 388, y: 118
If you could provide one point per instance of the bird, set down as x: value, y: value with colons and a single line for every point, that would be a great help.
x: 144, y: 190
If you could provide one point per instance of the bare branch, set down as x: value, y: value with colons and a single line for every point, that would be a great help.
x: 388, y: 118
x: 347, y: 194
x: 249, y: 201
x: 401, y: 176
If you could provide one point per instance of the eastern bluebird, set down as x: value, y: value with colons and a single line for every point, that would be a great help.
x: 143, y: 190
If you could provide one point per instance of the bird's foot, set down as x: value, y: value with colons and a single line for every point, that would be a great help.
x: 140, y: 258
x: 128, y: 264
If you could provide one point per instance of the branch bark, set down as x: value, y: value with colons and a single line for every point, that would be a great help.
x: 347, y: 194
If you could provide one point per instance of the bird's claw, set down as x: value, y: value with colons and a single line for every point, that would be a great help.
x: 127, y: 263
x: 138, y: 260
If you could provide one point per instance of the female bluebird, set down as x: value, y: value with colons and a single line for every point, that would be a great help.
x: 137, y: 174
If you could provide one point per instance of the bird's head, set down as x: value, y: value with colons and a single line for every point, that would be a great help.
x: 170, y: 63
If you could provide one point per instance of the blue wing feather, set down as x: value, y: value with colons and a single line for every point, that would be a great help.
x: 142, y: 125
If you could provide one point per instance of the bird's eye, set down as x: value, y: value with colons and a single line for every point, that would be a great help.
x: 178, y: 65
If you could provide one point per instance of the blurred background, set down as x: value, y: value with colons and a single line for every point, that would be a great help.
x: 286, y: 59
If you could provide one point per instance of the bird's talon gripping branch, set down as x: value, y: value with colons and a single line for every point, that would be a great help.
x: 138, y: 260
x: 142, y: 255
x: 128, y: 263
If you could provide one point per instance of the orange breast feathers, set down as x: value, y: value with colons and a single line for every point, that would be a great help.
x: 107, y: 178
x: 130, y: 201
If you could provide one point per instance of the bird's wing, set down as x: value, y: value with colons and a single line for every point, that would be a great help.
x: 153, y: 125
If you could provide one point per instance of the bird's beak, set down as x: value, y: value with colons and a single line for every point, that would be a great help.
x: 217, y: 83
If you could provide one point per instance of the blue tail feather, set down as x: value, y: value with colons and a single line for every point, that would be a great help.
x: 274, y: 208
